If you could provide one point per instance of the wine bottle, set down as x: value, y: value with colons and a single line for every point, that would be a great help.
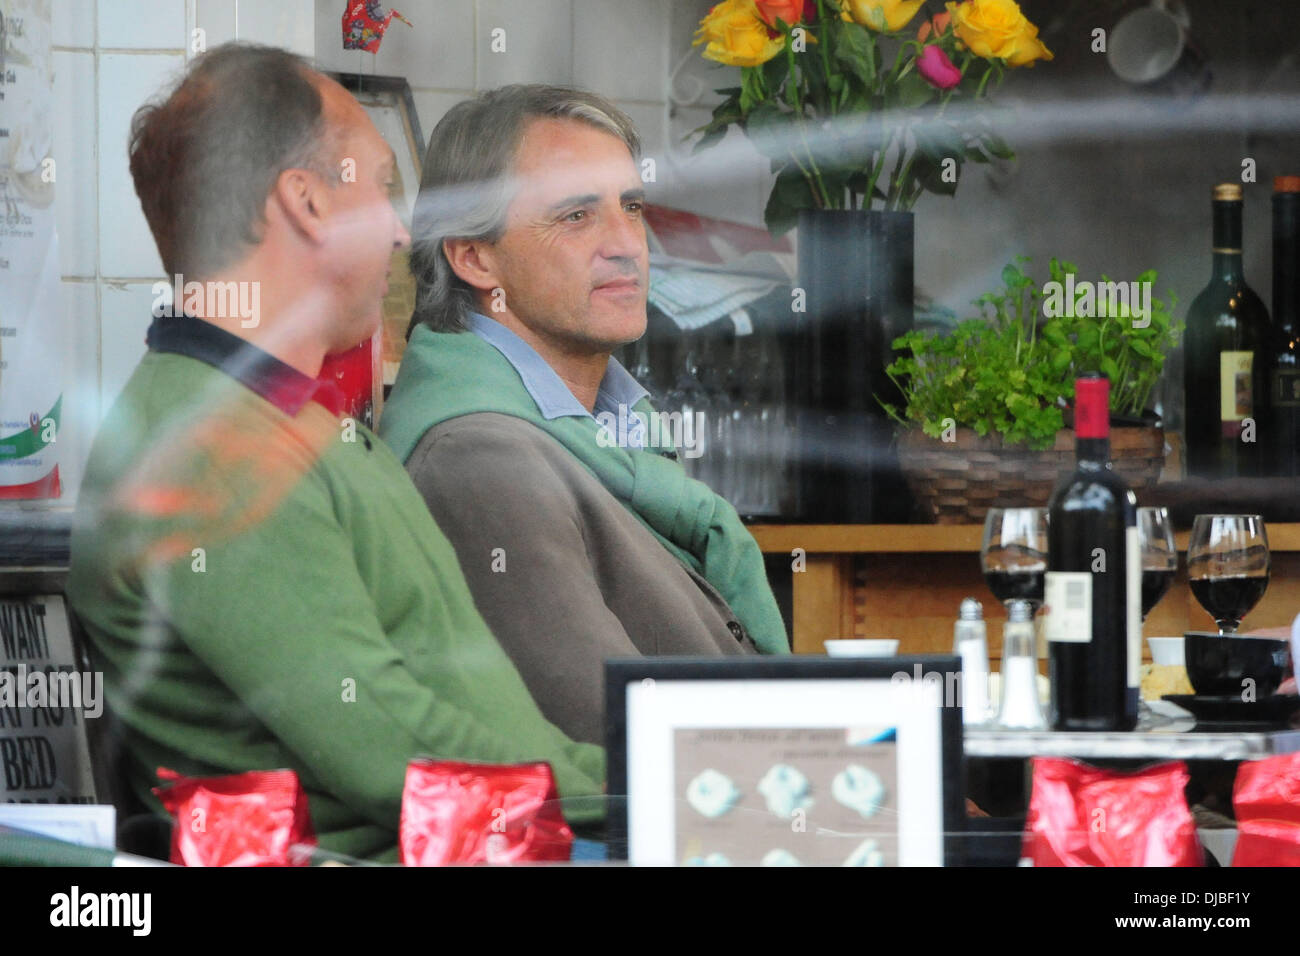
x: 1092, y: 594
x: 1284, y: 437
x: 1227, y: 360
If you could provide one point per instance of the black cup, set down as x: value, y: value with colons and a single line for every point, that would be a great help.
x: 1221, y: 666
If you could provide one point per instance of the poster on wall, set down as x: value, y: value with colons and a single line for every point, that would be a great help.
x: 33, y: 340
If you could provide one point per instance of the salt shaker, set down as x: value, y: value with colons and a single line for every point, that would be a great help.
x: 970, y: 643
x: 1020, y: 709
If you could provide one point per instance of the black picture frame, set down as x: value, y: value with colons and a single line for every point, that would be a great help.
x: 621, y: 672
x: 394, y: 92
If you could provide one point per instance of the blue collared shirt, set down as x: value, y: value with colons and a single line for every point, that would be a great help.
x: 553, y: 398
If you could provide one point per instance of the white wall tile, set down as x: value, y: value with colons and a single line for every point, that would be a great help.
x: 729, y: 180
x: 74, y: 156
x: 620, y: 47
x: 432, y: 105
x: 290, y: 24
x: 329, y: 52
x: 142, y: 24
x: 649, y: 120
x: 126, y: 80
x: 538, y: 42
x: 123, y: 321
x: 437, y: 51
x: 81, y: 410
x: 217, y: 20
x: 72, y: 23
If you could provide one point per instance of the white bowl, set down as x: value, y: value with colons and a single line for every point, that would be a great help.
x: 1166, y: 651
x: 862, y: 648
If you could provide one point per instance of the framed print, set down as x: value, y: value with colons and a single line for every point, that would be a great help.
x: 785, y: 761
x: 388, y: 102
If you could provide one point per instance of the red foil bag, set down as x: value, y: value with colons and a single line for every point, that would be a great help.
x: 1082, y: 816
x: 455, y: 812
x: 1266, y: 798
x: 246, y: 819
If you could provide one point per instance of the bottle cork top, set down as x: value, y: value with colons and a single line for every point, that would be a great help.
x: 1227, y: 192
x: 1286, y: 184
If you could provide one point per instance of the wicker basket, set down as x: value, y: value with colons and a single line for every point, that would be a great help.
x: 958, y: 482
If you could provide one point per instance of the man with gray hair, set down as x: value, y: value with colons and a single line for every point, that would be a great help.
x: 531, y: 263
x: 261, y: 583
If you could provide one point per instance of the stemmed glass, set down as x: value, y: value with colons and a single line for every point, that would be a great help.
x: 1228, y: 566
x: 1159, y: 557
x: 1013, y: 554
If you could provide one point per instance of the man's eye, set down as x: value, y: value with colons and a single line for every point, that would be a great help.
x: 575, y: 216
x: 635, y: 206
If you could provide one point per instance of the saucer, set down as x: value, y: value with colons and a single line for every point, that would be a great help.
x: 1274, y: 710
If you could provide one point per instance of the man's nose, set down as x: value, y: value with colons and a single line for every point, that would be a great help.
x: 624, y: 238
x: 403, y: 238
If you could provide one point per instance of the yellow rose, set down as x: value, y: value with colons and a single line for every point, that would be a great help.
x: 736, y: 35
x: 880, y: 15
x: 996, y: 29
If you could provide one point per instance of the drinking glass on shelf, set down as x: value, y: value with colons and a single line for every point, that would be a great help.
x: 1228, y: 565
x: 1159, y: 557
x: 1013, y: 555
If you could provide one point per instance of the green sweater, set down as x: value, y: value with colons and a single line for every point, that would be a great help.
x: 263, y: 592
x: 448, y: 375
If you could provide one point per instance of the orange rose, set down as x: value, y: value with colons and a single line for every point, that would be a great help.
x: 936, y: 25
x: 790, y: 11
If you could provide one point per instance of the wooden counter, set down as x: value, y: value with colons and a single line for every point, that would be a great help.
x: 907, y: 581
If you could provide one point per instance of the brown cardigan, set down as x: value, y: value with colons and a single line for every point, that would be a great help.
x: 577, y: 578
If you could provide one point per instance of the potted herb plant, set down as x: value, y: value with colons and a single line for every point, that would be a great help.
x: 985, y: 417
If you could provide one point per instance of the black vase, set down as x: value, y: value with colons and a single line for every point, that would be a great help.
x: 855, y: 267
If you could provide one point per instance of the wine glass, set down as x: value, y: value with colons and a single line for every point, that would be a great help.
x: 1228, y: 565
x: 1159, y: 557
x: 1013, y: 554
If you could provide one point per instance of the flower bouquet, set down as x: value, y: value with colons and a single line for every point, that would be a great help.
x: 835, y: 91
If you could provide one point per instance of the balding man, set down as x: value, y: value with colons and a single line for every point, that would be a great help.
x: 262, y: 584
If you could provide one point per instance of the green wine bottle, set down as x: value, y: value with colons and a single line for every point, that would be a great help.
x: 1227, y: 360
x: 1285, y: 392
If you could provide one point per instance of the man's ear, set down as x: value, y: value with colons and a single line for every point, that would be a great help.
x: 303, y: 200
x: 473, y: 262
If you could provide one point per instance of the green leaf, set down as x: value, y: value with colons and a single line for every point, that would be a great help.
x: 997, y: 146
x: 912, y: 91
x: 929, y: 172
x: 775, y: 71
x: 851, y: 48
x: 790, y: 193
x: 769, y: 128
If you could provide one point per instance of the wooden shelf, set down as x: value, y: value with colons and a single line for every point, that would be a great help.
x: 907, y: 581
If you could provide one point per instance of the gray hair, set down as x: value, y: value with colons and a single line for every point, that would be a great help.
x: 466, y: 189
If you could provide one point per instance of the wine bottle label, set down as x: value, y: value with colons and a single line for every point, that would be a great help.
x: 1133, y: 582
x: 1234, y: 390
x: 1067, y: 596
x: 1286, y: 387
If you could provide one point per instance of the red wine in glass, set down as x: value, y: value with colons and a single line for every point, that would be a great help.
x: 1229, y: 599
x: 1017, y: 584
x: 1013, y: 554
x: 1155, y: 585
x: 1228, y: 566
